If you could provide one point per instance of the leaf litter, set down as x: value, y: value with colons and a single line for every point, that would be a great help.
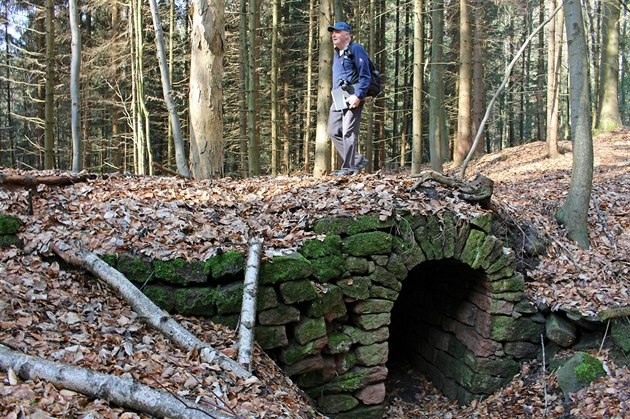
x: 57, y: 313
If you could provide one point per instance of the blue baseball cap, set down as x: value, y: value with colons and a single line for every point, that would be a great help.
x: 340, y: 26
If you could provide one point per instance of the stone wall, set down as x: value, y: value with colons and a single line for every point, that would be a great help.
x: 324, y: 313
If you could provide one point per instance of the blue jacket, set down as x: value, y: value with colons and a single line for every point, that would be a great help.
x: 352, y: 66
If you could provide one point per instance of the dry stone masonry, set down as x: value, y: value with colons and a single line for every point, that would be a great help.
x: 440, y: 289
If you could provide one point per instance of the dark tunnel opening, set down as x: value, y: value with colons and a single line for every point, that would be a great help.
x: 433, y: 307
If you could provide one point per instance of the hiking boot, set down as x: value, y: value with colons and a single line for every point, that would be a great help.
x: 363, y: 163
x: 344, y: 172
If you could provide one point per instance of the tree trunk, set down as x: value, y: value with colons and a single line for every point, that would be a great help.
x: 309, y: 87
x: 273, y: 112
x: 247, y: 323
x: 478, y: 90
x: 464, y: 137
x: 119, y: 391
x: 147, y: 310
x: 253, y: 147
x: 608, y: 116
x: 49, y: 131
x: 418, y: 58
x: 206, y: 93
x: 574, y: 212
x: 243, y: 73
x: 554, y: 55
x: 324, y: 86
x: 75, y: 71
x: 437, y: 121
x: 117, y: 155
x: 178, y: 140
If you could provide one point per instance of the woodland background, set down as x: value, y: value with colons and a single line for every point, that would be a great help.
x: 274, y: 56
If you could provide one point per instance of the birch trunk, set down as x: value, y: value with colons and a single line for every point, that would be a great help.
x: 248, y: 310
x: 178, y: 140
x: 75, y: 69
x: 147, y: 310
x: 116, y: 390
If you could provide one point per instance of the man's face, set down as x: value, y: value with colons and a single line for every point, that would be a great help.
x: 340, y: 39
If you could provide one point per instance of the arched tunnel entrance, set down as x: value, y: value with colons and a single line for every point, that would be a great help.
x: 436, y: 328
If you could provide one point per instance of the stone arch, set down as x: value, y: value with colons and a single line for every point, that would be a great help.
x: 476, y: 347
x: 324, y: 312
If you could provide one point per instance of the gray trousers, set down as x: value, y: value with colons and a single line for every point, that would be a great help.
x: 343, y: 128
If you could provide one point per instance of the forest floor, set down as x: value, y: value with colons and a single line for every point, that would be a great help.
x: 56, y: 312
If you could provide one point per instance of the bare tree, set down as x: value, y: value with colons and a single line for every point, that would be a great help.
x: 324, y: 85
x: 608, y: 116
x: 206, y: 93
x: 178, y: 140
x: 416, y: 146
x: 75, y: 71
x: 574, y: 212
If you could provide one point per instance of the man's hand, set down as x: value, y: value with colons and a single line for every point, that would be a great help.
x: 353, y: 102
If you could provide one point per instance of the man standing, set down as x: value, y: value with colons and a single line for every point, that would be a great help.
x: 350, y: 72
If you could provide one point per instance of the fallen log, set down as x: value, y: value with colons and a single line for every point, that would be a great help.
x: 27, y: 181
x: 123, y: 392
x: 248, y: 308
x: 147, y: 310
x: 479, y: 190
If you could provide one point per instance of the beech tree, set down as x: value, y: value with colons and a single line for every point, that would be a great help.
x: 573, y: 214
x: 608, y: 116
x: 206, y: 92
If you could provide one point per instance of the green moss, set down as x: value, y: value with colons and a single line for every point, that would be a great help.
x: 328, y: 267
x: 285, y: 268
x: 368, y: 223
x: 8, y: 240
x: 135, y: 269
x: 195, y: 301
x: 163, y: 297
x: 228, y: 299
x: 166, y: 270
x: 372, y: 243
x: 589, y: 370
x: 313, y: 249
x: 9, y: 224
x: 225, y: 265
x: 111, y: 259
x: 336, y: 226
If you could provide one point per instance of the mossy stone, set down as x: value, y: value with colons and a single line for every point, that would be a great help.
x: 195, y: 301
x: 136, y: 269
x: 356, y: 265
x: 283, y: 314
x: 327, y: 302
x: 266, y: 298
x: 357, y: 288
x: 309, y: 329
x: 512, y: 284
x: 383, y: 277
x: 336, y: 403
x: 229, y: 298
x: 294, y: 352
x: 8, y: 240
x: 328, y: 267
x: 313, y: 249
x: 9, y: 224
x: 364, y: 412
x: 353, y: 380
x: 472, y: 247
x: 409, y: 253
x: 331, y: 226
x: 505, y: 328
x: 368, y: 223
x: 371, y: 243
x: 269, y: 337
x: 371, y: 355
x: 339, y: 343
x: 179, y: 272
x: 621, y: 334
x: 298, y: 291
x: 483, y: 222
x: 163, y: 297
x: 285, y: 268
x: 377, y: 291
x: 578, y: 372
x: 228, y: 264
